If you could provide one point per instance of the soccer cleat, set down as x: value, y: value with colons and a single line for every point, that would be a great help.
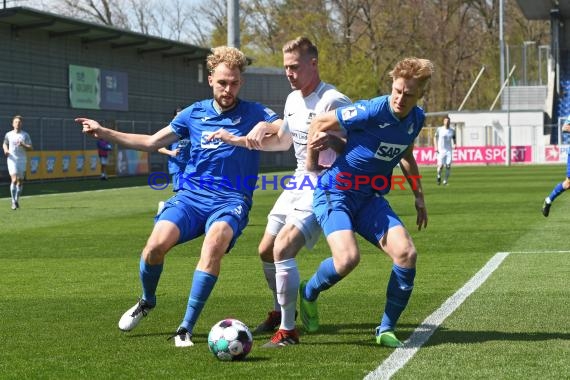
x: 438, y: 180
x: 14, y: 205
x: 444, y: 182
x: 546, y: 208
x: 17, y: 204
x: 160, y: 207
x: 309, y: 311
x: 182, y: 338
x: 133, y: 316
x: 387, y: 339
x: 270, y: 324
x: 283, y: 338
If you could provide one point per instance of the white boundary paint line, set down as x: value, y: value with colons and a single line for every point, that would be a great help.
x: 539, y: 252
x: 78, y: 192
x: 423, y: 332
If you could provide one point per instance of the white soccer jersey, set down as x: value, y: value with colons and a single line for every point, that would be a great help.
x: 299, y: 111
x: 13, y: 140
x: 444, y: 138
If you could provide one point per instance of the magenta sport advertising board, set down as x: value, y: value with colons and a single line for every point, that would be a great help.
x: 477, y: 155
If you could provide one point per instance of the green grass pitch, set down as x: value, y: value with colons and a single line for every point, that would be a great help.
x: 69, y: 263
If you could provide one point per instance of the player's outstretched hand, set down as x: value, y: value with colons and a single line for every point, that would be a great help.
x: 319, y: 141
x: 90, y: 127
x: 254, y: 139
x: 422, y: 217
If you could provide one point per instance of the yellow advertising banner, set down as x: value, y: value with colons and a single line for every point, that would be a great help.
x: 62, y: 164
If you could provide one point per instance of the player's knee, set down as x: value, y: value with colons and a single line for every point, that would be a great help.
x: 154, y: 253
x: 283, y: 251
x: 265, y: 253
x: 406, y: 256
x: 346, y: 263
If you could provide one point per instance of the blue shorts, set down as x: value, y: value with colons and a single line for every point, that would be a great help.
x: 176, y: 181
x: 194, y: 213
x: 370, y: 217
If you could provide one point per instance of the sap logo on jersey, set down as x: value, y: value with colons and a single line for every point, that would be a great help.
x: 212, y: 144
x: 386, y: 151
x: 348, y: 113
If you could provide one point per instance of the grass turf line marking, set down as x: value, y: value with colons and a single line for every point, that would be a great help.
x: 81, y: 191
x: 422, y: 333
x: 539, y: 252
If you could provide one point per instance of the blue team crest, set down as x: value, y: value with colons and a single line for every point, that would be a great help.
x: 348, y: 113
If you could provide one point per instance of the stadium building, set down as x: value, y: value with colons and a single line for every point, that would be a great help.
x: 56, y: 68
x: 530, y: 108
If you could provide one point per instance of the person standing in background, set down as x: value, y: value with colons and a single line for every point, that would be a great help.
x: 16, y: 143
x: 444, y: 142
x: 178, y: 155
x: 103, y: 149
x: 561, y: 186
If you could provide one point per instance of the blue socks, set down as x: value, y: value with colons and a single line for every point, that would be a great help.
x: 149, y: 275
x: 558, y: 189
x: 325, y: 277
x: 398, y: 293
x: 202, y: 285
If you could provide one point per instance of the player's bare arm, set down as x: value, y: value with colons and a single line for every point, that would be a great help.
x: 26, y: 146
x: 411, y: 171
x: 148, y: 143
x: 242, y: 141
x: 335, y: 140
x: 168, y: 152
x: 280, y: 141
x: 262, y: 130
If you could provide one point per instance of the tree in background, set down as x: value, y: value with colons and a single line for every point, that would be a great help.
x: 359, y: 40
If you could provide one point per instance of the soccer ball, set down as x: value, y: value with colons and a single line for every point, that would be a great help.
x: 230, y: 339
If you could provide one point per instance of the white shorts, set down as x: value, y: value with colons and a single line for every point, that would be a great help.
x: 444, y: 158
x: 295, y: 207
x: 103, y: 160
x: 16, y: 166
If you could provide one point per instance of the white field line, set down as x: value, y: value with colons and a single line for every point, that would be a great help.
x: 78, y: 192
x: 422, y: 333
x: 539, y: 252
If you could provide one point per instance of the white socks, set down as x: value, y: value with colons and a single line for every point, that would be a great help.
x: 287, y: 281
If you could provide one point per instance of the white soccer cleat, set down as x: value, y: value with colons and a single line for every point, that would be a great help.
x: 182, y: 338
x: 133, y: 316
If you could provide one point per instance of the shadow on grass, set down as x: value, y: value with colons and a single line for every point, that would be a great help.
x: 404, y: 332
x: 443, y: 336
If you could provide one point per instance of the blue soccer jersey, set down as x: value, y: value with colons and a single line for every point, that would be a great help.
x: 213, y: 166
x: 178, y: 164
x: 376, y: 141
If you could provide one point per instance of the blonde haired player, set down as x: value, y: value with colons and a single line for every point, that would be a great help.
x: 217, y: 208
x: 291, y: 223
x: 380, y: 134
